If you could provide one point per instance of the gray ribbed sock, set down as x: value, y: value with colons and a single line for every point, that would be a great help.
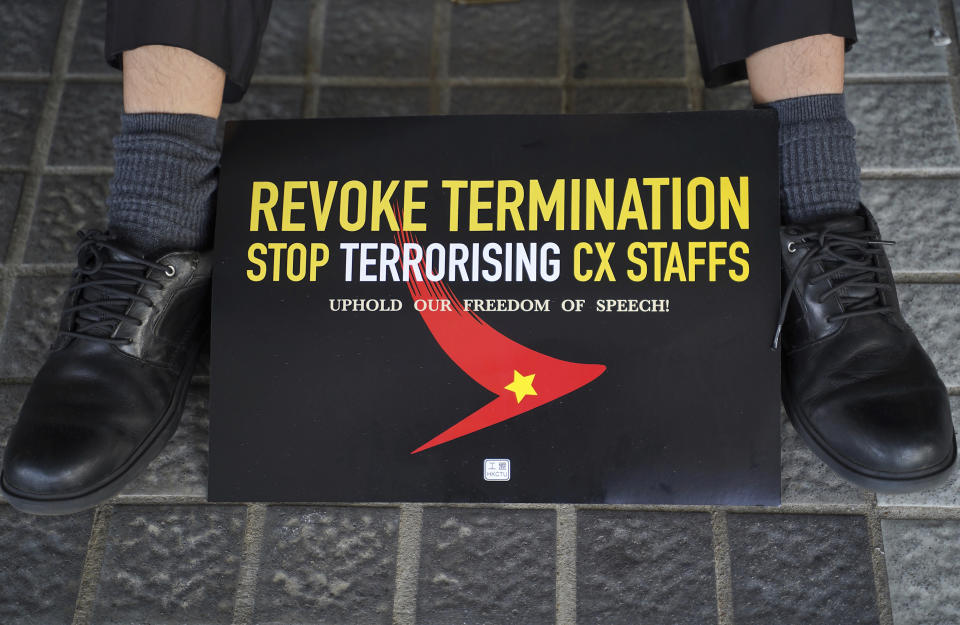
x: 819, y: 175
x: 162, y: 191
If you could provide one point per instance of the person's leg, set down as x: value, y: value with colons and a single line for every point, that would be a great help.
x: 111, y: 391
x: 112, y: 388
x: 730, y: 31
x: 803, y: 81
x: 793, y: 69
x: 856, y: 382
x: 180, y: 61
x: 165, y: 79
x: 162, y: 193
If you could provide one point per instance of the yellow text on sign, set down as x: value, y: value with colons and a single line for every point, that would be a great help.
x: 295, y: 261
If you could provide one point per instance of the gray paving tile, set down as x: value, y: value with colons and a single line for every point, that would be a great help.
x: 66, y: 205
x: 283, y: 49
x: 327, y: 565
x: 628, y: 38
x: 20, y: 105
x: 170, y: 564
x: 31, y: 324
x: 947, y: 495
x: 804, y: 478
x: 916, y: 214
x: 40, y: 567
x: 923, y: 566
x: 29, y: 34
x: 181, y: 468
x: 933, y: 311
x: 645, y: 567
x: 88, y: 54
x: 487, y: 566
x: 10, y: 187
x: 512, y: 39
x: 89, y: 118
x: 11, y: 398
x: 904, y: 125
x: 629, y: 100
x: 378, y: 38
x: 733, y: 98
x: 810, y: 569
x: 893, y: 37
x: 486, y: 101
x: 372, y: 102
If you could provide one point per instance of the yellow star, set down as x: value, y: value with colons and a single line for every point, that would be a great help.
x: 522, y: 385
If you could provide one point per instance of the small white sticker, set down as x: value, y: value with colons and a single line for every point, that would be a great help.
x: 496, y: 470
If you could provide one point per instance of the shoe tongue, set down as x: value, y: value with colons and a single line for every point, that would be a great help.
x: 120, y: 256
x: 852, y: 224
x: 847, y: 223
x: 98, y: 293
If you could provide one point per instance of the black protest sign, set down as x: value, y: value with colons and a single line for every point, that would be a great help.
x: 540, y: 309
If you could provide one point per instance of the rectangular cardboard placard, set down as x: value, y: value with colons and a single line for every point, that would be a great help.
x: 497, y: 309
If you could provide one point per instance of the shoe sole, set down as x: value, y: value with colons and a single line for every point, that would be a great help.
x: 888, y: 485
x: 125, y: 474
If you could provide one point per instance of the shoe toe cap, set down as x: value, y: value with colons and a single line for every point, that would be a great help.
x: 64, y: 445
x: 895, y: 433
x: 85, y: 419
x: 58, y: 460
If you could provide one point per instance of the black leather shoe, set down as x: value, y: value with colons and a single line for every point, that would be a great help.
x: 112, y: 389
x: 857, y: 385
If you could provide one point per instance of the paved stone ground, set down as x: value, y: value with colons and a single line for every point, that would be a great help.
x: 831, y: 554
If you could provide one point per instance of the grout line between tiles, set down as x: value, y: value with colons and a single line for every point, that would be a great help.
x: 948, y: 23
x: 314, y: 65
x: 565, y: 49
x: 894, y: 79
x: 92, y: 563
x: 691, y: 61
x: 909, y: 172
x: 440, y: 58
x: 926, y: 277
x: 24, y: 76
x: 408, y: 564
x: 413, y: 81
x: 898, y: 512
x: 878, y: 561
x: 245, y: 599
x: 722, y: 568
x: 566, y: 565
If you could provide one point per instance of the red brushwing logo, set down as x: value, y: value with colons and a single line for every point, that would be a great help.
x: 522, y: 378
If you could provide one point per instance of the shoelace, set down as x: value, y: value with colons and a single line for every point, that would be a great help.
x: 850, y: 255
x: 106, y: 289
